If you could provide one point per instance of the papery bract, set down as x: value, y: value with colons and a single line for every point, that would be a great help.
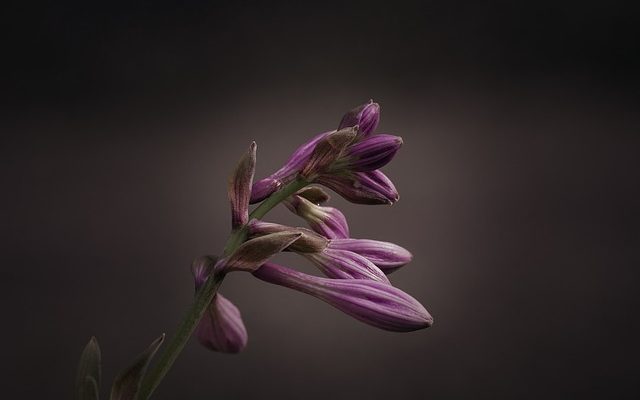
x: 239, y: 187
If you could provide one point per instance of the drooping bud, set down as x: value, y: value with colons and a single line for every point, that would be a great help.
x: 374, y: 303
x: 308, y: 242
x: 372, y: 152
x: 371, y: 187
x: 343, y: 264
x: 221, y: 328
x: 254, y: 252
x: 327, y: 221
x: 366, y: 117
x: 263, y: 188
x: 386, y: 256
x: 328, y: 150
x: 240, y: 184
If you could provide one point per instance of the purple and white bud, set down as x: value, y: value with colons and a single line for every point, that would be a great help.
x: 239, y: 187
x: 263, y: 188
x: 372, y: 152
x: 344, y: 264
x: 374, y: 303
x: 371, y: 187
x: 386, y: 256
x: 327, y: 221
x: 366, y: 117
x: 221, y: 327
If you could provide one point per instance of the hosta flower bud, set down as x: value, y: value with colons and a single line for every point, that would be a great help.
x: 374, y: 303
x: 372, y: 152
x: 240, y: 184
x: 386, y: 256
x: 343, y: 264
x: 366, y: 117
x: 263, y: 188
x: 221, y: 327
x: 308, y: 242
x: 327, y: 221
x: 371, y: 187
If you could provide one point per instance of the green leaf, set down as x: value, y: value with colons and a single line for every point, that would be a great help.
x: 88, y: 377
x: 127, y: 383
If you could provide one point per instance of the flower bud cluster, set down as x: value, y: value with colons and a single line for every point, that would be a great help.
x: 348, y: 161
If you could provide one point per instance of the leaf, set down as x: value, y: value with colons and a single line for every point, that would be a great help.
x: 88, y: 376
x: 127, y: 384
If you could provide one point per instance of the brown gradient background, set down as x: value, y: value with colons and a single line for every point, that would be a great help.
x: 518, y: 181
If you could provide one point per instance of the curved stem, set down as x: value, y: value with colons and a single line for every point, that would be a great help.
x: 207, y: 292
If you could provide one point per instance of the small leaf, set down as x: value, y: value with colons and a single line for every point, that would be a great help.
x: 127, y: 383
x: 88, y: 377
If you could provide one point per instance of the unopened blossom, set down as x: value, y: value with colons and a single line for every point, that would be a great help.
x: 327, y: 221
x: 374, y: 303
x: 386, y: 256
x: 221, y: 327
x: 366, y: 117
x: 370, y: 187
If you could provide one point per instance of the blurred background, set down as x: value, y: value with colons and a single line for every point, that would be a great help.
x: 518, y: 181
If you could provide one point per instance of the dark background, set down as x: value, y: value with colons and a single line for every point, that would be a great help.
x: 518, y: 180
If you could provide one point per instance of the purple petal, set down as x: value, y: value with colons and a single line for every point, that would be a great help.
x: 342, y: 264
x: 201, y: 268
x: 371, y: 187
x: 373, y: 152
x: 386, y: 256
x: 265, y: 187
x: 374, y: 303
x: 221, y: 328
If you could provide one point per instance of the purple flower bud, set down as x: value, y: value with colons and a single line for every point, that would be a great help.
x: 366, y: 117
x: 386, y: 256
x: 265, y: 187
x: 239, y: 187
x: 327, y: 221
x: 371, y: 187
x: 371, y: 302
x: 373, y: 152
x: 221, y: 327
x: 343, y: 264
x: 254, y: 252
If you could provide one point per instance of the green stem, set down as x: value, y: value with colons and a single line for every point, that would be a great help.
x: 207, y: 292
